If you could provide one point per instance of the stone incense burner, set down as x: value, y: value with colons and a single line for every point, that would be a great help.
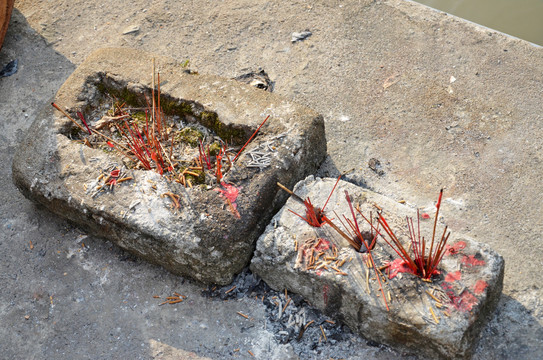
x: 211, y: 234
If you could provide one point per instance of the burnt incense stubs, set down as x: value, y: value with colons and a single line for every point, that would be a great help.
x: 164, y: 184
x: 378, y: 296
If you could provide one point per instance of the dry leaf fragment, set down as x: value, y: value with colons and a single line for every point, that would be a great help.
x: 391, y: 80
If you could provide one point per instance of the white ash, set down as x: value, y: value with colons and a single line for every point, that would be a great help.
x: 290, y: 326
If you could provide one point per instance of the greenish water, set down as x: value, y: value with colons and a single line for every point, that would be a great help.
x: 520, y: 18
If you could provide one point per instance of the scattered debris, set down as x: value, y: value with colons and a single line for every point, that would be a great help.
x: 319, y: 255
x: 323, y: 334
x: 174, y: 299
x: 261, y: 155
x: 175, y: 200
x: 434, y: 315
x: 113, y: 175
x: 375, y: 165
x: 300, y: 36
x: 231, y: 289
x: 9, y: 69
x: 391, y: 80
x: 259, y: 80
x: 243, y: 315
x: 298, y: 323
x: 131, y: 29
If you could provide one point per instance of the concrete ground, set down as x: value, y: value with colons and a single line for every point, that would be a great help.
x: 438, y: 101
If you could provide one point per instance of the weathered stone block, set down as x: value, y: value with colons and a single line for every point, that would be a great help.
x: 204, y: 239
x: 440, y: 318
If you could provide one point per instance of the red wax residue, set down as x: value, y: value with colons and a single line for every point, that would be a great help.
x: 480, y: 287
x: 450, y: 277
x: 425, y: 216
x: 325, y: 289
x: 465, y: 301
x: 319, y: 272
x: 454, y: 249
x: 398, y: 266
x: 322, y: 245
x: 110, y: 144
x: 230, y: 192
x: 472, y: 261
x: 448, y: 288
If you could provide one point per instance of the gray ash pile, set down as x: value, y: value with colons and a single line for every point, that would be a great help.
x: 295, y: 322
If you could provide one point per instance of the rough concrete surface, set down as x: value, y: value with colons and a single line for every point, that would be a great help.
x: 203, y: 239
x: 438, y: 101
x: 321, y: 265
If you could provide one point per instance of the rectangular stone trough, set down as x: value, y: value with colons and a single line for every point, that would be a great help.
x: 206, y: 230
x: 437, y: 318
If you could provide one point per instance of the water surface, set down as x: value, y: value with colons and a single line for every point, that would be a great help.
x: 520, y: 18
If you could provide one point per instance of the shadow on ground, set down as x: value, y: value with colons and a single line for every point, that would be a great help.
x: 500, y: 338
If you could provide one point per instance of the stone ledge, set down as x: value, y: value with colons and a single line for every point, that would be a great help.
x: 469, y: 284
x: 204, y: 239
